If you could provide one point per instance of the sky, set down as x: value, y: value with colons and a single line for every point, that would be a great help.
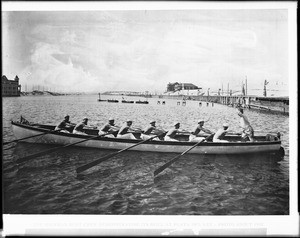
x: 144, y: 50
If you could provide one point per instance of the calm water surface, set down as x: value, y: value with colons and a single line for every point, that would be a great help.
x: 194, y: 185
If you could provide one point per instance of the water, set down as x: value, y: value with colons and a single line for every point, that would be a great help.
x: 194, y: 185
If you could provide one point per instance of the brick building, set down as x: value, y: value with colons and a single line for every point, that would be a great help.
x: 10, y: 87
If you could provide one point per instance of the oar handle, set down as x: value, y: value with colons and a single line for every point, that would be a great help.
x: 98, y: 161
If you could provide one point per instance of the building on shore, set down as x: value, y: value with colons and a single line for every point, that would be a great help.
x: 173, y: 87
x: 10, y: 88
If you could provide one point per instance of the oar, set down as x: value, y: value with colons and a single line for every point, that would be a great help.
x: 160, y: 169
x: 98, y: 161
x: 23, y: 159
x: 8, y: 142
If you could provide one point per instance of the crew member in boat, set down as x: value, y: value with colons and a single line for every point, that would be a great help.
x: 146, y: 133
x: 193, y: 137
x: 220, y: 134
x: 65, y: 125
x: 109, y: 128
x: 170, y: 136
x: 247, y: 130
x: 79, y: 127
x: 125, y: 131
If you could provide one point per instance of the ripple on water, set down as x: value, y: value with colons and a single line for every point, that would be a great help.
x: 194, y: 185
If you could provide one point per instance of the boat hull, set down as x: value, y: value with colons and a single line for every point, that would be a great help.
x: 60, y: 138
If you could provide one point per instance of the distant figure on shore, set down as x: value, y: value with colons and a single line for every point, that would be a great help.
x: 170, y: 136
x: 193, y: 137
x: 163, y: 103
x: 178, y: 103
x: 125, y: 131
x: 212, y: 104
x: 65, y: 125
x: 109, y: 127
x: 219, y: 136
x: 183, y: 103
x: 247, y: 130
x: 79, y: 127
x: 207, y: 104
x: 200, y: 104
x: 158, y: 102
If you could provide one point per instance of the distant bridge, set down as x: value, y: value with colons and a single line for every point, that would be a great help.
x: 126, y: 93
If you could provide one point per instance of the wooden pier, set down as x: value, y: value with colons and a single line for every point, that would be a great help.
x: 279, y: 105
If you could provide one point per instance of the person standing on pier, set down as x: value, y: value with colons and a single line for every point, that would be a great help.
x: 109, y: 127
x: 247, y: 130
x: 193, y: 137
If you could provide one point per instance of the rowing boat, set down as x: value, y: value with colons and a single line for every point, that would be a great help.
x: 142, y: 102
x: 269, y: 144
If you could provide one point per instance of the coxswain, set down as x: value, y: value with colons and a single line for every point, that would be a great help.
x: 65, y: 125
x: 219, y: 136
x: 125, y: 131
x: 170, y: 136
x: 193, y: 137
x: 79, y: 127
x: 247, y: 130
x: 109, y: 128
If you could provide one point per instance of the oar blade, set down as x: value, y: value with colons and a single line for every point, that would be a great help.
x: 29, y: 157
x: 94, y: 163
x: 166, y: 165
x: 98, y: 161
x: 162, y: 168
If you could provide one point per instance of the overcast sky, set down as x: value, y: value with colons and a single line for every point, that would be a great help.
x: 96, y: 51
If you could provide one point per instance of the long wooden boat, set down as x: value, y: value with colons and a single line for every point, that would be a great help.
x: 270, y: 144
x: 142, y: 102
x: 112, y: 100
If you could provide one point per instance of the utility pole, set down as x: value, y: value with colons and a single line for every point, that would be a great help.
x: 227, y: 89
x: 265, y: 87
x: 222, y: 89
x: 246, y: 86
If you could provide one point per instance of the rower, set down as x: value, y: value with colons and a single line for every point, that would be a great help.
x: 193, y: 137
x: 148, y: 130
x: 65, y: 125
x: 79, y: 127
x: 125, y: 131
x: 170, y: 136
x: 247, y: 130
x: 109, y: 128
x: 218, y: 137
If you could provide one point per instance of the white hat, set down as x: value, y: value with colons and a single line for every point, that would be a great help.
x: 176, y: 123
x: 152, y: 122
x: 85, y: 118
x: 111, y: 119
x: 200, y: 120
x: 129, y: 120
x: 225, y: 125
